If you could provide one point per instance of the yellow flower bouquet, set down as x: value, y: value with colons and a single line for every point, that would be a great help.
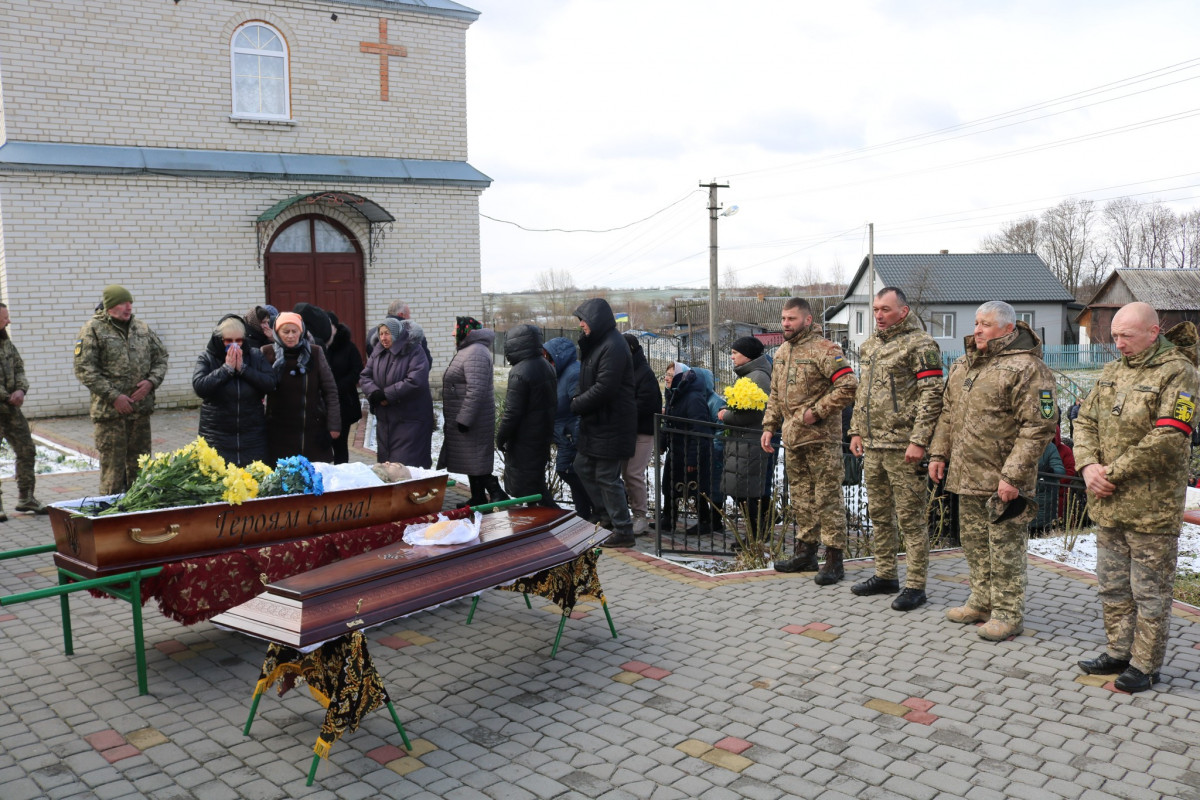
x: 192, y: 475
x: 745, y: 395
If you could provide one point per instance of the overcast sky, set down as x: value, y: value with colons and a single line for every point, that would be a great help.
x: 592, y: 114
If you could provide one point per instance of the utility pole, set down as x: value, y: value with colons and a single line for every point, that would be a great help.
x: 713, y: 212
x: 871, y: 277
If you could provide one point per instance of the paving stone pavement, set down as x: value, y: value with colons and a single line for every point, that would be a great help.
x: 758, y: 687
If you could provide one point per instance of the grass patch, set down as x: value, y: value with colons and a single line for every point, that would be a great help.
x: 1187, y: 587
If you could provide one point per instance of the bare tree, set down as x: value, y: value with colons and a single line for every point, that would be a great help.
x: 791, y: 278
x: 1122, y: 223
x: 1185, y: 248
x: 559, y: 289
x: 921, y: 291
x: 1066, y: 230
x: 1158, y: 229
x: 1019, y: 236
x: 730, y: 279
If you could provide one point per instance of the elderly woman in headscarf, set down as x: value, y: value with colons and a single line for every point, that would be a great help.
x: 232, y: 379
x: 469, y: 405
x: 303, y: 415
x: 396, y: 381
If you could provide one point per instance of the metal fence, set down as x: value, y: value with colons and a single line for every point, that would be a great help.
x: 1062, y: 358
x: 705, y: 522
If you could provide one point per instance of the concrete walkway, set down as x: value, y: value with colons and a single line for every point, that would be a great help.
x: 759, y: 687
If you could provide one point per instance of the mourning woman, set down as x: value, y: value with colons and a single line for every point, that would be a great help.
x: 303, y: 414
x: 469, y: 404
x: 346, y: 364
x: 232, y: 379
x: 396, y: 381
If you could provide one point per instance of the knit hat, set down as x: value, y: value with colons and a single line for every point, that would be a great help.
x: 393, y: 325
x: 465, y: 325
x: 114, y: 295
x: 272, y: 312
x: 317, y: 322
x: 748, y: 346
x: 289, y: 317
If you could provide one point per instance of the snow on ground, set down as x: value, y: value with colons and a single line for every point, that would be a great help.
x: 50, y: 458
x: 1081, y: 553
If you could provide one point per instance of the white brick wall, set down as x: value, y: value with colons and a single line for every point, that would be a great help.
x: 158, y: 74
x: 186, y: 249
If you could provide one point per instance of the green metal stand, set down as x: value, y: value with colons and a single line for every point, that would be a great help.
x: 126, y: 586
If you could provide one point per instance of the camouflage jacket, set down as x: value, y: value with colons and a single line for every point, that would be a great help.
x: 998, y: 413
x: 111, y: 362
x: 1137, y: 421
x: 810, y: 372
x: 12, y: 370
x: 900, y: 392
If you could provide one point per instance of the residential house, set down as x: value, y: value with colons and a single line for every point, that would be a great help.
x: 945, y: 289
x: 1173, y: 293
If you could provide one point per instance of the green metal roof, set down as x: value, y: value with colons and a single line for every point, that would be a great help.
x: 368, y: 209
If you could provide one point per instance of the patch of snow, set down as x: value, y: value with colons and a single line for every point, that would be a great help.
x: 1082, y: 553
x: 50, y: 458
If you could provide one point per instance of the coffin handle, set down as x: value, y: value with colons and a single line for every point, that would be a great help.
x: 137, y: 536
x: 423, y: 498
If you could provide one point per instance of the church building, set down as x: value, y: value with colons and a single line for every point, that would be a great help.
x: 211, y: 155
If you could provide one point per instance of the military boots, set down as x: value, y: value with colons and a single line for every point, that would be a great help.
x: 832, y: 570
x: 804, y: 560
x: 31, y: 505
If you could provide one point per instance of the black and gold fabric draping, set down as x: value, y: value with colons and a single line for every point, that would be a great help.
x: 564, y: 584
x: 339, y: 674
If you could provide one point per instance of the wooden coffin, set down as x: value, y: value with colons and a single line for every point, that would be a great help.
x: 97, y: 546
x: 400, y: 579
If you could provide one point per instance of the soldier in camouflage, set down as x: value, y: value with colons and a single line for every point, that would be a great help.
x: 13, y: 426
x: 897, y: 406
x: 810, y: 385
x: 1132, y: 442
x: 998, y: 413
x: 121, y: 362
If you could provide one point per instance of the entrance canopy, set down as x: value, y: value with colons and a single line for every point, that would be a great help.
x: 367, y: 209
x: 379, y: 222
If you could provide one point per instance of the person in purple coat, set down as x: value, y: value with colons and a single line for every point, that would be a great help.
x: 396, y: 381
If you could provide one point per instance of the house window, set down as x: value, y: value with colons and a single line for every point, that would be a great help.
x: 858, y: 322
x: 941, y: 325
x: 1026, y: 317
x: 259, y: 64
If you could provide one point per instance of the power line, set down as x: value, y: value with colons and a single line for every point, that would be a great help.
x: 1140, y: 78
x: 590, y: 230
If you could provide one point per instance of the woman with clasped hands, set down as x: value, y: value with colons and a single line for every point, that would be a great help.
x: 232, y: 380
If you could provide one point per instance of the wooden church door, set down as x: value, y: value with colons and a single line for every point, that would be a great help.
x: 315, y: 260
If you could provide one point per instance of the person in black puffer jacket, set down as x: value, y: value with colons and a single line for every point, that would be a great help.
x: 607, y: 416
x: 649, y: 402
x: 346, y: 364
x: 232, y: 380
x: 527, y: 425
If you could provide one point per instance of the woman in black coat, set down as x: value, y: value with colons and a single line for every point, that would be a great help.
x: 232, y: 380
x: 346, y: 364
x: 687, y: 473
x: 527, y: 425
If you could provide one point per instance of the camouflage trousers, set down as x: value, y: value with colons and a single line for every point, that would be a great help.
x: 996, y: 560
x: 14, y: 429
x: 120, y: 442
x: 1136, y: 572
x: 897, y: 491
x: 814, y: 474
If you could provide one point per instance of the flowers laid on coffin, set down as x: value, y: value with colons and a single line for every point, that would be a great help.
x: 292, y: 475
x: 192, y: 475
x: 744, y: 395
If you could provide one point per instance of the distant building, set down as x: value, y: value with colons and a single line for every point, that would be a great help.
x: 945, y: 290
x: 1173, y: 293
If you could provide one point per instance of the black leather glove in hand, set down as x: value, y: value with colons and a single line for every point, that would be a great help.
x: 377, y: 397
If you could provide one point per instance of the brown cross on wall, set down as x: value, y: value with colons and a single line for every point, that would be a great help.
x: 384, y: 51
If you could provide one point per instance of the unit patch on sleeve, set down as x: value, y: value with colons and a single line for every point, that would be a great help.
x: 932, y: 359
x: 78, y: 346
x: 1185, y: 407
x: 1046, y: 403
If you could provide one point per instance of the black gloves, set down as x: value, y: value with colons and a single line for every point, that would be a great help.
x: 377, y: 397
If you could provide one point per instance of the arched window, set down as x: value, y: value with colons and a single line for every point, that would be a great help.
x: 259, y: 59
